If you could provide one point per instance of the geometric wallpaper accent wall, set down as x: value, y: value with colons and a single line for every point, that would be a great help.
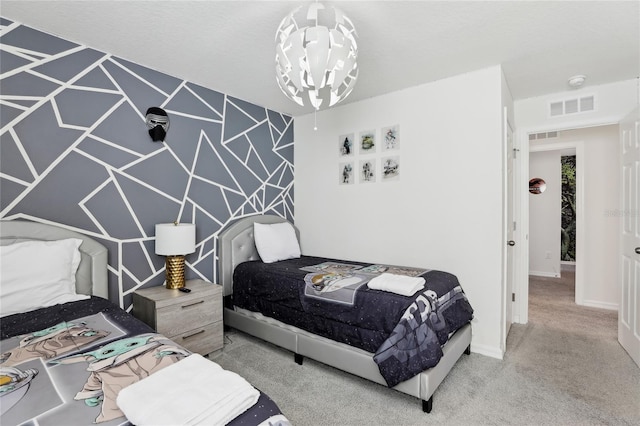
x: 75, y: 151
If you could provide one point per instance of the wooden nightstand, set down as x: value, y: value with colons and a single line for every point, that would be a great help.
x: 193, y: 320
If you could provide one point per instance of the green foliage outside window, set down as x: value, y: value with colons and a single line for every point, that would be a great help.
x: 568, y: 238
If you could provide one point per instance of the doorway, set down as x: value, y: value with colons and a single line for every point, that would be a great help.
x: 596, y: 267
x: 545, y: 219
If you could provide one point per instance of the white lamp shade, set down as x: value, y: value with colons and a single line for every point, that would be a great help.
x: 175, y: 239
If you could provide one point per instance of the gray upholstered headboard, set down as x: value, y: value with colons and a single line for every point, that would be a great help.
x: 91, y: 277
x: 236, y: 245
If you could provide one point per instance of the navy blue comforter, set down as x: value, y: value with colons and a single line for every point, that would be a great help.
x: 405, y: 333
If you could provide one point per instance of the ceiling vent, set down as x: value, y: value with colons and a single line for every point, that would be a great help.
x: 572, y: 106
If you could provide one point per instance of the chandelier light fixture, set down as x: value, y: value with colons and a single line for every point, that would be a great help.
x: 316, y: 56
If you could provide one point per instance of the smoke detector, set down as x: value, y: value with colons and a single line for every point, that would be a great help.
x: 577, y: 80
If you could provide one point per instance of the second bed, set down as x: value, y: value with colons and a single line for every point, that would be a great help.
x: 410, y: 344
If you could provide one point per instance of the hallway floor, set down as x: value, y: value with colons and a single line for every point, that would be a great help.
x: 552, y: 303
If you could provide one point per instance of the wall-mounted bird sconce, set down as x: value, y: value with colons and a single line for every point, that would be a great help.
x: 158, y: 123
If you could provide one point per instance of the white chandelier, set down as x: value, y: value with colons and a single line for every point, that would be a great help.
x: 316, y: 62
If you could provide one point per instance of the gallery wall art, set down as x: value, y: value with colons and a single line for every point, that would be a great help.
x: 369, y: 156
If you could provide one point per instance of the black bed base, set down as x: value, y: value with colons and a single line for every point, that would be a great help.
x: 427, y: 405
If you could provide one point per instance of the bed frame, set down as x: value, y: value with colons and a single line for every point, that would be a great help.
x: 91, y: 277
x: 236, y: 245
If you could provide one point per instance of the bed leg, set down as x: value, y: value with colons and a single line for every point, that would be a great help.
x: 298, y: 358
x: 427, y: 405
x: 468, y: 350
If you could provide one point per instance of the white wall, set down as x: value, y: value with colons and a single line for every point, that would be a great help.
x: 544, y: 215
x: 601, y: 195
x: 444, y: 213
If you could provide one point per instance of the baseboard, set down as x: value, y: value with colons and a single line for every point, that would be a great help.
x: 485, y: 350
x: 545, y: 274
x: 601, y: 305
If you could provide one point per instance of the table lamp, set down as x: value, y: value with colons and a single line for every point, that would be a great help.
x: 174, y: 240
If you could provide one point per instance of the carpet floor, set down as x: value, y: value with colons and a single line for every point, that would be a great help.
x: 565, y: 367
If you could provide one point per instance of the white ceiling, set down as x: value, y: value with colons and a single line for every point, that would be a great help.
x: 229, y: 46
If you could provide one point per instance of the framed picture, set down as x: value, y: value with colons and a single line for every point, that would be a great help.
x: 346, y: 174
x: 390, y: 168
x: 390, y: 137
x: 346, y: 147
x: 368, y: 171
x: 367, y: 142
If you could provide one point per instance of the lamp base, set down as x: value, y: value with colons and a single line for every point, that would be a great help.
x: 175, y: 272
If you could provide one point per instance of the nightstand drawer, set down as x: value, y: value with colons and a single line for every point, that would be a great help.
x: 202, y: 340
x: 180, y: 317
x: 192, y: 320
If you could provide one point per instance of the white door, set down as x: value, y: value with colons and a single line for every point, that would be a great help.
x: 629, y: 314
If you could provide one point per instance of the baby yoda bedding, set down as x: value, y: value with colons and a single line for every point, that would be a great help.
x: 66, y: 364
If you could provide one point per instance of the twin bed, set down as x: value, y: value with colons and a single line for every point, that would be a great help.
x: 80, y: 359
x: 275, y: 307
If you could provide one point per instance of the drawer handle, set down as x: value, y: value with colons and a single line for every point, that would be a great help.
x: 193, y: 334
x: 192, y: 304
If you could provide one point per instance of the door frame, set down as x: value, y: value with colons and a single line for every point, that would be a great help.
x: 521, y: 309
x: 510, y: 217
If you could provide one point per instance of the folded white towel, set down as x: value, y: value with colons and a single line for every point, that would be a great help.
x: 192, y: 391
x: 399, y: 284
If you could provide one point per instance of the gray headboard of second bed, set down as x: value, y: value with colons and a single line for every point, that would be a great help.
x: 236, y: 245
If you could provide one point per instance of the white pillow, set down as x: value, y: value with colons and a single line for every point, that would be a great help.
x: 36, y: 274
x: 276, y: 241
